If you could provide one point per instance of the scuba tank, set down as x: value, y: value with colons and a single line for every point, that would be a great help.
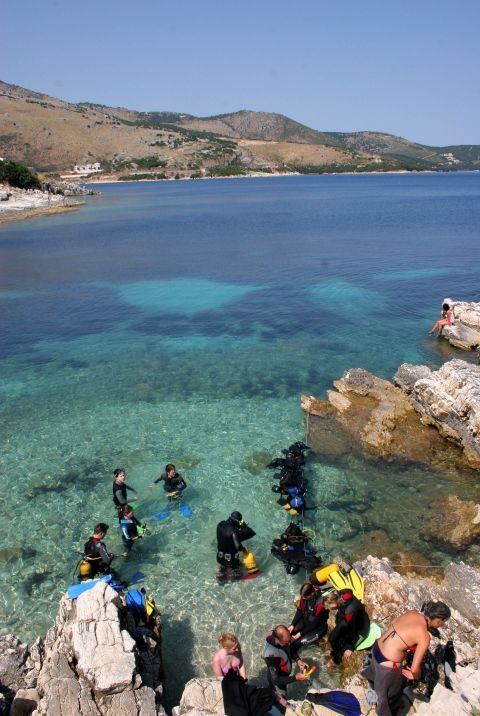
x: 85, y: 569
x: 249, y: 562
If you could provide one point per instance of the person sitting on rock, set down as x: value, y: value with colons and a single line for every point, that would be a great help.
x: 351, y: 623
x: 309, y: 623
x: 408, y: 632
x: 447, y: 319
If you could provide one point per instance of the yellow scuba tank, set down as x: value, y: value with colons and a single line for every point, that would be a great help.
x: 249, y: 562
x: 85, y: 569
x: 321, y: 575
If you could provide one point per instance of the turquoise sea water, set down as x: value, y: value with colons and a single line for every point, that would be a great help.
x: 180, y: 322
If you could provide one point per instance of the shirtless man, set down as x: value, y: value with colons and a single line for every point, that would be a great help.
x: 408, y: 632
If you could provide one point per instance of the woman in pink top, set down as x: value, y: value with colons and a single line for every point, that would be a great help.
x: 229, y: 656
x: 447, y: 319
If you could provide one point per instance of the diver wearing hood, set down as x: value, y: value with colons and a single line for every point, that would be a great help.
x: 230, y: 533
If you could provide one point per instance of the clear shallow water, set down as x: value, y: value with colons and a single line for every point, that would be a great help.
x: 180, y: 322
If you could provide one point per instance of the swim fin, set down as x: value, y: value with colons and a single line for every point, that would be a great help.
x: 135, y: 578
x: 357, y: 583
x: 369, y: 640
x: 339, y: 581
x: 185, y: 510
x: 352, y: 580
x: 75, y: 590
x: 342, y: 702
x: 163, y: 514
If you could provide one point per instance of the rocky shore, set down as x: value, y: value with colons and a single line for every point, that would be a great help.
x: 394, y: 421
x: 18, y: 204
x: 96, y: 660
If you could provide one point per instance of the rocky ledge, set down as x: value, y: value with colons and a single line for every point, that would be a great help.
x: 387, y: 595
x: 375, y: 416
x: 465, y: 333
x: 94, y: 660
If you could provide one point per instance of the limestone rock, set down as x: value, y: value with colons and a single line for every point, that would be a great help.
x: 453, y: 522
x: 388, y: 595
x: 465, y: 333
x: 462, y: 590
x: 91, y: 666
x: 373, y: 417
x: 25, y: 702
x: 201, y: 696
x: 104, y: 654
x: 449, y: 399
x: 13, y: 655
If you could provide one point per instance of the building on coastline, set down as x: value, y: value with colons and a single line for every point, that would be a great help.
x: 87, y: 168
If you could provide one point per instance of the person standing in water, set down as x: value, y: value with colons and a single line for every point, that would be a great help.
x: 408, y: 633
x: 120, y: 488
x: 229, y: 656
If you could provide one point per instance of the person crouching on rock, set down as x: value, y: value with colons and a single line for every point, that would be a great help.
x: 131, y: 528
x: 352, y: 623
x: 310, y: 621
x: 408, y: 632
x: 279, y: 659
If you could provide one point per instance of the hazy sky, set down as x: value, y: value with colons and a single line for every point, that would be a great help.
x: 408, y: 67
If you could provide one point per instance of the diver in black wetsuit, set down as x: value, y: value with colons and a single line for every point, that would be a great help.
x: 352, y: 622
x: 96, y: 555
x: 174, y: 484
x: 310, y: 621
x: 230, y: 533
x: 120, y: 488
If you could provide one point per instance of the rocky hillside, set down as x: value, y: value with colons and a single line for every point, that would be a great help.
x: 53, y: 136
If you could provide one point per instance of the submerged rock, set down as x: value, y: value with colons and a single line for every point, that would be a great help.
x: 453, y: 522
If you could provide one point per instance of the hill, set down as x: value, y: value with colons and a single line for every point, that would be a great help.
x: 52, y: 136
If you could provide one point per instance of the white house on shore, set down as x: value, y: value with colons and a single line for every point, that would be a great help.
x: 87, y: 168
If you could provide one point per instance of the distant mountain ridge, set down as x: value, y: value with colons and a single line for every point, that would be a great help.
x: 53, y: 135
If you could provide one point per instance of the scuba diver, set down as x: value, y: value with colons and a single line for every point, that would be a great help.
x: 309, y: 623
x: 230, y: 533
x: 120, y: 488
x: 279, y: 658
x: 352, y: 624
x: 294, y: 550
x: 131, y: 528
x: 174, y: 482
x: 96, y: 557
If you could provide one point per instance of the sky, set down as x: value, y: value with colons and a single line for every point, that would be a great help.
x: 406, y: 67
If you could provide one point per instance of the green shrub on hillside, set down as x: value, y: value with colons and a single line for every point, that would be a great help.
x: 18, y: 175
x: 231, y: 171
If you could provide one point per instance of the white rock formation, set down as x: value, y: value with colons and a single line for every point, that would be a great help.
x: 465, y: 333
x: 448, y: 398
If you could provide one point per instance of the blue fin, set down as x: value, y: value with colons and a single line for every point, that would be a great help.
x: 342, y: 702
x: 135, y: 578
x: 185, y: 509
x: 161, y: 515
x: 76, y: 589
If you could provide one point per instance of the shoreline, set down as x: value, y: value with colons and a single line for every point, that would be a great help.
x: 32, y: 212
